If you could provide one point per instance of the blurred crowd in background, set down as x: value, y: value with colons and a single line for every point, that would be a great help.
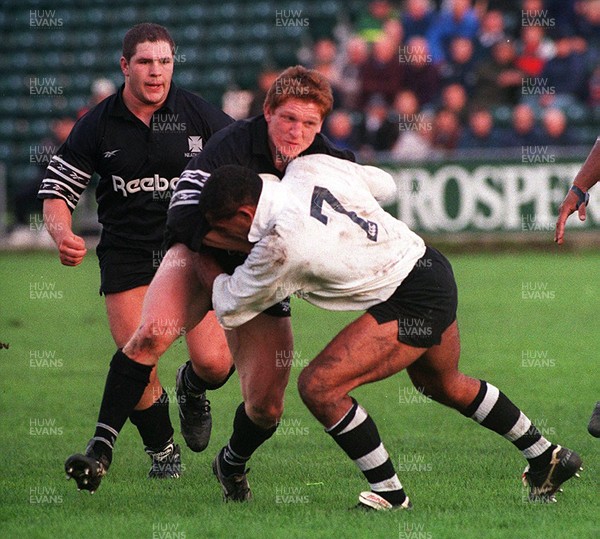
x: 420, y: 79
x: 417, y: 80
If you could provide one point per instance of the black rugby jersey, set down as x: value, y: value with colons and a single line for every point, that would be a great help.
x: 243, y: 143
x: 138, y: 165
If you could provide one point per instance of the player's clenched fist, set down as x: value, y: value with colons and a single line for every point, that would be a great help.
x: 71, y: 250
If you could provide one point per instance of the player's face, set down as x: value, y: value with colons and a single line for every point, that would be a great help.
x: 292, y: 127
x: 231, y: 233
x: 149, y: 72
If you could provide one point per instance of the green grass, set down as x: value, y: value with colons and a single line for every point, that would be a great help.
x: 463, y: 479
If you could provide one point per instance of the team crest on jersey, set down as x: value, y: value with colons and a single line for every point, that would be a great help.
x: 195, y: 145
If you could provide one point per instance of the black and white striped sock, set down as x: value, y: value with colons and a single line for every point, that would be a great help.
x: 357, y: 435
x: 494, y: 410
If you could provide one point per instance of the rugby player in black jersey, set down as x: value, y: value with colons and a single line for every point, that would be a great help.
x: 138, y: 141
x: 294, y: 110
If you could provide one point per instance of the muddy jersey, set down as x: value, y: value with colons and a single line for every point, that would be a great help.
x: 320, y: 233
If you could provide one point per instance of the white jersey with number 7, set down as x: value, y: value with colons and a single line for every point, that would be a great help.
x: 321, y: 234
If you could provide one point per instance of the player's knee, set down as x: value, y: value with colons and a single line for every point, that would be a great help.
x: 312, y: 388
x: 214, y: 368
x: 151, y: 339
x: 265, y: 414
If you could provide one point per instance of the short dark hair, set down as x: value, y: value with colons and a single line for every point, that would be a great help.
x: 228, y: 188
x: 145, y: 31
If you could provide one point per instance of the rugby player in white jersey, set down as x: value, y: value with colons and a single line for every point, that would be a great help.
x: 322, y: 233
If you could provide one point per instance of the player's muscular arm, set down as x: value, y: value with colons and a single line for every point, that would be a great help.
x: 57, y: 218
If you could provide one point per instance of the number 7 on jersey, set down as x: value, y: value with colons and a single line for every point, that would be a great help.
x: 322, y: 194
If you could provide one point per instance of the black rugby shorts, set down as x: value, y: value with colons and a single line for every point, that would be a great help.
x: 122, y: 268
x: 424, y: 304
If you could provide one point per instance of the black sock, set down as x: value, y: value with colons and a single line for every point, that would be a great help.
x: 197, y: 385
x: 247, y: 437
x: 154, y: 423
x: 495, y: 411
x: 357, y: 435
x: 125, y: 384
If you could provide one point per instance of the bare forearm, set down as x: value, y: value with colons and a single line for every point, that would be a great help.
x: 589, y: 173
x: 57, y: 219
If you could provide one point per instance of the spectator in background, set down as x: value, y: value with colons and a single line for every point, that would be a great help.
x: 523, y: 131
x: 357, y: 53
x: 393, y: 32
x: 588, y: 21
x: 480, y: 131
x: 455, y: 99
x: 446, y: 131
x: 534, y: 51
x: 325, y: 62
x: 460, y: 20
x: 382, y: 74
x: 565, y: 74
x: 421, y: 75
x: 460, y: 66
x: 414, y: 142
x: 555, y: 130
x: 339, y: 128
x: 404, y: 114
x: 265, y: 79
x: 101, y: 89
x: 490, y: 32
x: 416, y: 18
x: 370, y: 25
x: 377, y: 133
x: 406, y: 108
x: 498, y: 80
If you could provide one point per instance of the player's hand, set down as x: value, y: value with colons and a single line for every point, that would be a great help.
x: 568, y: 206
x: 71, y: 250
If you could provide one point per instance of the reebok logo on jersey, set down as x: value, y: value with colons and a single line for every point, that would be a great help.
x: 111, y: 153
x: 156, y: 183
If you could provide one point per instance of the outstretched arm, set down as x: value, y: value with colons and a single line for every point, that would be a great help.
x: 588, y: 175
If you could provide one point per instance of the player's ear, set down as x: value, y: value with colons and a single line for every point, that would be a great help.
x: 267, y: 112
x: 124, y: 66
x: 246, y: 212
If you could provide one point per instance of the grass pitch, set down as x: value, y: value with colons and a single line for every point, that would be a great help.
x: 527, y: 322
